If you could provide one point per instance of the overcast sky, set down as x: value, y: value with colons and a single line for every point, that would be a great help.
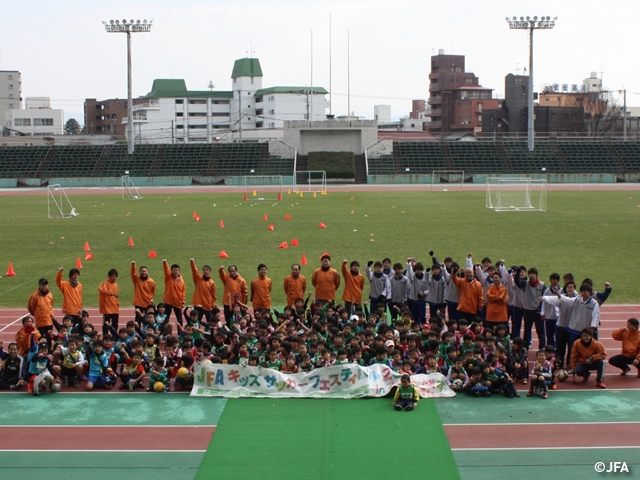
x: 63, y: 51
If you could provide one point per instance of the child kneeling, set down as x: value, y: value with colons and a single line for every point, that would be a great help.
x: 406, y: 397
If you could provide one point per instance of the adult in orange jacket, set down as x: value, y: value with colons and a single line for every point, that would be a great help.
x: 71, y: 294
x: 261, y: 290
x: 295, y: 285
x: 325, y: 280
x: 497, y: 297
x: 40, y: 305
x: 588, y: 354
x: 353, y: 285
x: 144, y: 288
x: 630, y: 338
x: 175, y: 291
x: 470, y: 292
x: 235, y: 290
x: 109, y: 301
x: 204, y: 297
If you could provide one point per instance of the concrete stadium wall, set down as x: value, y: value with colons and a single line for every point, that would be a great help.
x: 478, y: 178
x: 138, y: 181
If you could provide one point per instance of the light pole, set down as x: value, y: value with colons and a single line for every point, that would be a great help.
x: 531, y: 24
x: 128, y: 27
x: 624, y: 114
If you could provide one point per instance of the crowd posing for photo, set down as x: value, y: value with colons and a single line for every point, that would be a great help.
x: 473, y: 325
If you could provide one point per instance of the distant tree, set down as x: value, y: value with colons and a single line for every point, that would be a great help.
x: 72, y: 127
x: 602, y: 113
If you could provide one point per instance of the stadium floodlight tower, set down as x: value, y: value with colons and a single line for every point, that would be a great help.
x: 531, y: 24
x: 128, y: 27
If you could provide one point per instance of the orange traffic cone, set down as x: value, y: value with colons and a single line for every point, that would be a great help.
x: 322, y: 225
x: 194, y: 214
x: 131, y: 241
x: 221, y: 224
x: 265, y: 217
x: 283, y: 245
x: 88, y: 256
x: 245, y: 196
x: 152, y: 254
x: 304, y: 260
x: 197, y: 219
x: 279, y: 196
x: 78, y: 263
x: 270, y: 228
x: 10, y: 271
x: 223, y: 254
x: 294, y: 242
x: 86, y: 247
x: 287, y: 217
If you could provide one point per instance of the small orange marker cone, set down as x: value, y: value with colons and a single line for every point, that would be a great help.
x: 223, y: 254
x: 283, y: 245
x: 197, y: 219
x: 287, y: 217
x: 88, y: 256
x: 245, y: 196
x: 152, y: 254
x: 314, y: 194
x: 301, y: 194
x: 222, y: 226
x: 11, y: 272
x: 254, y: 193
x: 304, y: 260
x: 270, y: 228
x: 131, y: 241
x: 322, y: 225
x: 78, y: 263
x: 279, y: 196
x: 294, y: 242
x: 194, y: 214
x: 265, y: 217
x: 86, y: 247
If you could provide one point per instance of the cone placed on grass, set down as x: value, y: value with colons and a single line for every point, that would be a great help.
x: 88, y: 256
x: 223, y: 254
x: 245, y: 196
x: 265, y: 217
x: 78, y: 263
x: 221, y: 224
x: 86, y: 247
x: 152, y: 254
x: 270, y: 228
x: 10, y: 271
x: 279, y: 196
x: 283, y: 245
x: 322, y: 225
x: 303, y: 261
x: 294, y: 242
x: 130, y: 241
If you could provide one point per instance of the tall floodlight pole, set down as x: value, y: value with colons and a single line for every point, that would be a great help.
x: 128, y: 27
x: 531, y: 24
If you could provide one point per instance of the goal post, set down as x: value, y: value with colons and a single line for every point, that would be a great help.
x: 129, y: 190
x: 58, y: 204
x: 447, y: 179
x: 505, y: 194
x: 310, y: 181
x: 264, y: 187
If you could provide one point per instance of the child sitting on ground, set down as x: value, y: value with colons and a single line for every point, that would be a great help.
x: 406, y: 397
x: 540, y: 375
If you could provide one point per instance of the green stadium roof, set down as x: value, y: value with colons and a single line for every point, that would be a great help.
x: 177, y: 88
x: 296, y: 90
x: 246, y: 67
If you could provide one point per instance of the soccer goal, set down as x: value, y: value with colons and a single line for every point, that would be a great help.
x: 263, y: 187
x: 310, y: 181
x: 516, y: 194
x: 444, y: 180
x: 58, y: 204
x: 129, y: 190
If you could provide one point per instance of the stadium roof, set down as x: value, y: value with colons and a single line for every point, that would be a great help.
x: 296, y: 90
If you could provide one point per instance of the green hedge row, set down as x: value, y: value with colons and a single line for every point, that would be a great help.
x: 336, y: 164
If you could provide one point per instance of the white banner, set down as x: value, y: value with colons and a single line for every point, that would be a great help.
x: 342, y: 381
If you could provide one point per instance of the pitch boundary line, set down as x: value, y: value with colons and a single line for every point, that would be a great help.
x: 108, y: 426
x: 100, y: 450
x: 535, y: 423
x: 608, y: 447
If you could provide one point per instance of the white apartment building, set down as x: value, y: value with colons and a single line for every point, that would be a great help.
x: 10, y: 91
x: 37, y: 119
x: 174, y: 114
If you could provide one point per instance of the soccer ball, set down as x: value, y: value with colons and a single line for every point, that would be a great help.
x: 183, y: 372
x: 562, y: 375
x: 54, y: 387
x: 456, y: 385
x: 158, y: 387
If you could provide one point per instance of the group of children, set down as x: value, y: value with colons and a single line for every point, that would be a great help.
x: 477, y: 357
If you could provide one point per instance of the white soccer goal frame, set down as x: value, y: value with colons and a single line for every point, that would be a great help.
x: 449, y: 173
x: 265, y: 184
x: 532, y: 194
x: 312, y: 181
x: 57, y: 201
x: 129, y: 190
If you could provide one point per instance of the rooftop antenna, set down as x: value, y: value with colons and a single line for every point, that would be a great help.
x: 311, y: 92
x: 348, y: 76
x: 211, y: 86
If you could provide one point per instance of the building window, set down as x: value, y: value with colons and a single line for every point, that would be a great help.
x: 272, y: 111
x: 119, y: 105
x: 197, y: 114
x: 179, y: 127
x: 197, y: 102
x: 113, y: 115
x: 179, y: 101
x: 22, y: 122
x: 11, y: 85
x: 179, y: 114
x: 39, y: 122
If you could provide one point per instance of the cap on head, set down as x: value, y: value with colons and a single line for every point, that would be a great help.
x: 43, y: 281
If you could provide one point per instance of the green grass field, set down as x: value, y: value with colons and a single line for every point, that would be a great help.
x: 589, y: 233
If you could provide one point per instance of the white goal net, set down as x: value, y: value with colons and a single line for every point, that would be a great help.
x: 129, y: 190
x: 310, y: 181
x: 263, y: 187
x: 445, y: 180
x: 516, y: 194
x: 58, y: 204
